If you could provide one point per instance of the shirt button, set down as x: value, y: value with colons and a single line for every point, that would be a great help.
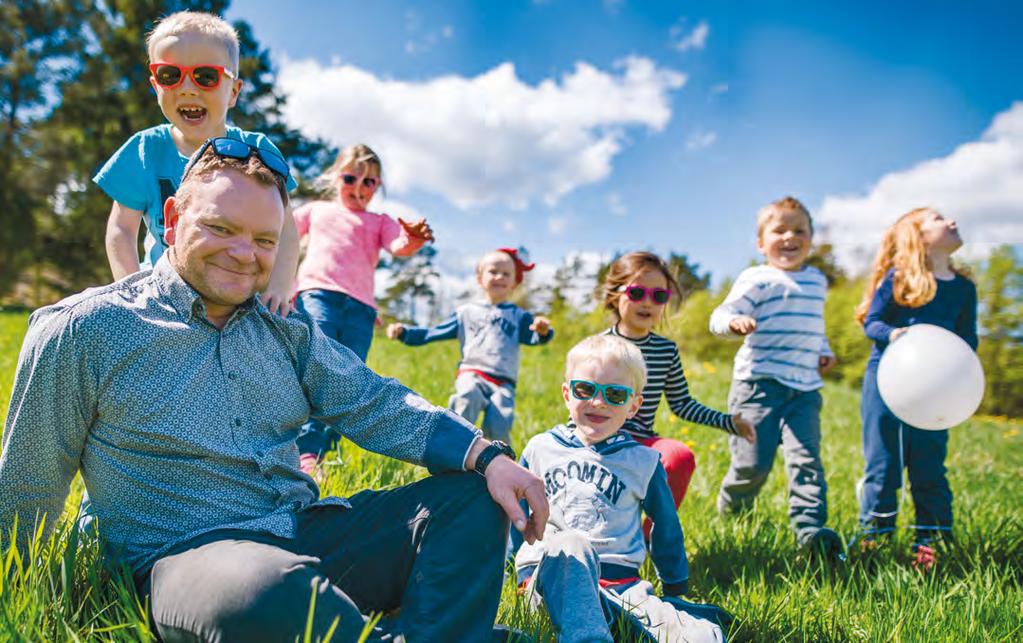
x: 267, y: 476
x: 232, y: 375
x: 260, y: 454
x: 237, y: 421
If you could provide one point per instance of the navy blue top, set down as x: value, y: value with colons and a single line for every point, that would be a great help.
x: 954, y: 308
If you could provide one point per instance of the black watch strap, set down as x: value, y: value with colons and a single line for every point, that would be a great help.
x: 488, y: 454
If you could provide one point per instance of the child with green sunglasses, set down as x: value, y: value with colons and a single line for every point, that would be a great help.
x: 599, y: 481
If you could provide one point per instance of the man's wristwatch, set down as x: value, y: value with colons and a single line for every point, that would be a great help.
x: 488, y: 454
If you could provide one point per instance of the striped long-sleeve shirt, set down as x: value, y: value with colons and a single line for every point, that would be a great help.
x: 666, y: 377
x: 789, y: 339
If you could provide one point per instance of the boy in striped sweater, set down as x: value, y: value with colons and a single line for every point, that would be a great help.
x: 779, y: 309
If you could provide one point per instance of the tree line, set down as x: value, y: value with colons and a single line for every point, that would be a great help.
x: 74, y: 86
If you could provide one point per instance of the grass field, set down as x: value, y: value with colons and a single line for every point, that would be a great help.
x: 749, y: 566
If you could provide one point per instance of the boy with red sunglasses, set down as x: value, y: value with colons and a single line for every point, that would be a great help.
x: 194, y: 70
x: 779, y: 309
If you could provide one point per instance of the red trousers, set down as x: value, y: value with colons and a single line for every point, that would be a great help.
x: 679, y: 463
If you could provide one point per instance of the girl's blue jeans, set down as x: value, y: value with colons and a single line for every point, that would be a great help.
x: 347, y: 321
x: 922, y: 453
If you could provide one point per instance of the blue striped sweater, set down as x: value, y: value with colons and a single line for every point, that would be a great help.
x: 789, y: 339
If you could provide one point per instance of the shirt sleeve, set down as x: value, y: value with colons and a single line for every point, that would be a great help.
x: 302, y: 216
x: 875, y: 325
x: 966, y: 324
x: 53, y: 405
x: 123, y: 177
x: 377, y: 413
x: 419, y: 335
x: 395, y: 240
x: 531, y: 337
x: 741, y: 300
x: 682, y: 404
x: 667, y: 542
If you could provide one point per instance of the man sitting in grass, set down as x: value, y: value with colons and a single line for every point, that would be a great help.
x: 178, y: 396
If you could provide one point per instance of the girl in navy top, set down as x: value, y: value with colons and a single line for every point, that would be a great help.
x: 913, y: 282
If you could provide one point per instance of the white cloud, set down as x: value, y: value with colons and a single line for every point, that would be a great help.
x: 489, y: 138
x: 616, y: 205
x: 556, y: 225
x: 720, y: 88
x: 980, y: 184
x: 683, y: 40
x: 699, y: 140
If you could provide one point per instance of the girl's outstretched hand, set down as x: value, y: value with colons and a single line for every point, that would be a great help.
x: 541, y: 326
x: 742, y: 325
x: 395, y: 331
x: 419, y: 230
x: 745, y: 428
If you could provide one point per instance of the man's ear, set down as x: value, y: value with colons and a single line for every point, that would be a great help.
x: 170, y: 221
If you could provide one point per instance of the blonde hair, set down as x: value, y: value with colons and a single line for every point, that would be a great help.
x: 784, y: 204
x: 210, y: 163
x: 207, y: 24
x: 609, y: 350
x: 625, y: 268
x: 903, y: 249
x: 359, y: 156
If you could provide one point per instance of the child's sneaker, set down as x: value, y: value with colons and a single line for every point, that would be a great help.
x: 826, y: 542
x: 924, y: 557
x: 310, y: 465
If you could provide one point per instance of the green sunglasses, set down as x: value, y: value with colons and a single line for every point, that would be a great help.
x: 614, y: 394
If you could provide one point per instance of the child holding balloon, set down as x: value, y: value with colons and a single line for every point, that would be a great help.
x: 913, y: 281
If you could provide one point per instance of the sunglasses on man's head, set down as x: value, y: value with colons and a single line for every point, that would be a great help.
x: 635, y: 292
x: 169, y: 75
x: 229, y: 148
x: 614, y: 394
x: 367, y: 181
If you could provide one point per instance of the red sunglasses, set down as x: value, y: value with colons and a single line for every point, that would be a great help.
x: 635, y: 292
x: 169, y: 75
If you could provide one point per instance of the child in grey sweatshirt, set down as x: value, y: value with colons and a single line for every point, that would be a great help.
x: 490, y: 335
x: 599, y: 481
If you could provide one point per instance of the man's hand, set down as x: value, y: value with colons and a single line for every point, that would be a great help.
x: 418, y: 230
x: 742, y: 325
x: 541, y: 326
x: 508, y: 483
x: 745, y: 428
x: 825, y: 363
x: 395, y: 331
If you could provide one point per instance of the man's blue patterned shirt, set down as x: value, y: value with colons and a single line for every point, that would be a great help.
x: 180, y: 428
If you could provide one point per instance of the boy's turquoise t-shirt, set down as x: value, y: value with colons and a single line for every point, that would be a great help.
x: 147, y: 170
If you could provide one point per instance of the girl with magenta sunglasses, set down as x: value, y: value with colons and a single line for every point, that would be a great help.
x: 335, y: 279
x: 636, y: 290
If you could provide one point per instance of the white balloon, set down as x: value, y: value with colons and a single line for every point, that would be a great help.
x: 930, y: 378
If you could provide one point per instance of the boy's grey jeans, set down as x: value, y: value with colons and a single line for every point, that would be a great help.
x: 785, y: 416
x: 566, y: 583
x: 433, y: 548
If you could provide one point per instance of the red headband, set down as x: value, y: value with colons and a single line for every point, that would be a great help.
x: 520, y: 265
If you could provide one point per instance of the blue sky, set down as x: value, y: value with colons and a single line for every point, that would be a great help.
x: 594, y: 127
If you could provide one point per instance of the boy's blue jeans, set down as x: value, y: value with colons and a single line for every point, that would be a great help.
x: 347, y: 321
x: 922, y: 453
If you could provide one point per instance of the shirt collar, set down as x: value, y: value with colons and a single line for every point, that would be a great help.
x: 568, y: 436
x: 184, y: 299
